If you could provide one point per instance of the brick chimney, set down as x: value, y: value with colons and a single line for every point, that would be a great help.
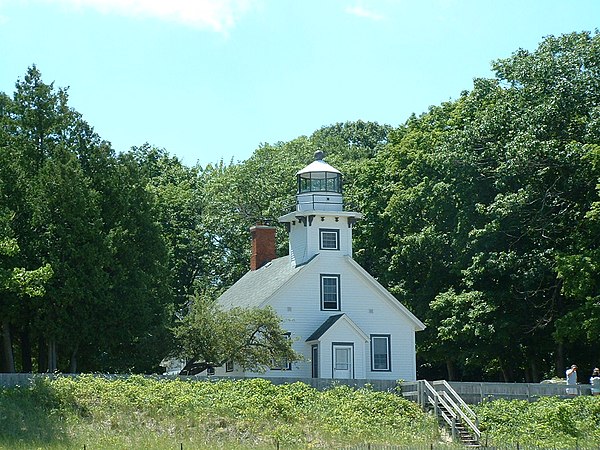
x: 263, y: 245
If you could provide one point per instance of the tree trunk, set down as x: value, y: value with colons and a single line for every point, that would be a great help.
x: 535, y: 373
x: 52, y: 356
x: 451, y: 370
x: 506, y: 372
x: 73, y: 362
x: 26, y: 360
x: 559, y: 360
x: 8, y: 362
x: 527, y: 375
x: 42, y: 356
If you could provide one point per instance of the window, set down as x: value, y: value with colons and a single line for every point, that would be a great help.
x: 330, y: 292
x: 229, y: 366
x: 380, y: 352
x: 329, y: 239
x: 282, y: 364
x: 319, y: 182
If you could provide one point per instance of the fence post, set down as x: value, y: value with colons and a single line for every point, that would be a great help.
x: 454, y: 428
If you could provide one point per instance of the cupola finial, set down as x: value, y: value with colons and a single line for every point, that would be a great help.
x: 319, y: 155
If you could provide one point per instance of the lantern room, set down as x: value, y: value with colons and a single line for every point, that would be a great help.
x: 319, y: 186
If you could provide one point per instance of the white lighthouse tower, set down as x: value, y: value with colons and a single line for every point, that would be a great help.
x: 319, y: 224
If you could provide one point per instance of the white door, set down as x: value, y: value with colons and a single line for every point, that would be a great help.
x: 342, y: 361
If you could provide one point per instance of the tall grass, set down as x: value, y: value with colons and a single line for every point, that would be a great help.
x: 550, y: 422
x: 137, y: 412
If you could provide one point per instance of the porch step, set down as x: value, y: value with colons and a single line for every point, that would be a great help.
x: 465, y: 437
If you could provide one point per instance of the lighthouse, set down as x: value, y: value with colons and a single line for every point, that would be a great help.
x: 319, y: 223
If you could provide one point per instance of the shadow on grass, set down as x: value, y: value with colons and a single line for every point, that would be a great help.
x: 31, y: 416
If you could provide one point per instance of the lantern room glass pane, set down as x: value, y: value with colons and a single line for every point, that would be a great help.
x: 319, y: 182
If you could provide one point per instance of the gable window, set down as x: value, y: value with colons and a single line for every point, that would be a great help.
x: 229, y: 366
x: 380, y: 353
x: 282, y: 364
x: 329, y: 239
x: 330, y: 292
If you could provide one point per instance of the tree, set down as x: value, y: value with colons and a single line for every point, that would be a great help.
x: 263, y: 188
x: 85, y: 211
x: 251, y: 338
x: 179, y: 194
x: 15, y: 283
x: 480, y: 199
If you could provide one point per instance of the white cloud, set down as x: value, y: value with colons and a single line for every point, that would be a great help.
x: 360, y: 11
x: 216, y: 15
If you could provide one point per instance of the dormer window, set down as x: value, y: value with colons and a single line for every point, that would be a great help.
x: 329, y: 239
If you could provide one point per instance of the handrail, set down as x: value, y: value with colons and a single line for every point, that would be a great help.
x: 451, y: 402
x: 437, y: 399
x: 463, y: 416
x: 457, y: 397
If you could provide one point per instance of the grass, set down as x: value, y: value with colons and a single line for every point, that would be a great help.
x: 549, y: 422
x: 137, y: 412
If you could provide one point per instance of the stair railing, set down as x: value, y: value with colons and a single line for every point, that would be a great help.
x: 467, y: 415
x: 446, y: 404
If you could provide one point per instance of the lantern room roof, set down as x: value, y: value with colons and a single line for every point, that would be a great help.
x: 318, y: 166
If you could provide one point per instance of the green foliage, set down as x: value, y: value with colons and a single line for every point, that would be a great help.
x: 76, y: 207
x: 482, y: 216
x: 263, y: 188
x: 547, y: 423
x: 252, y: 338
x: 135, y: 411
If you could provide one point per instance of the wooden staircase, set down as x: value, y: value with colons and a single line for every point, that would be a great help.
x: 449, y: 408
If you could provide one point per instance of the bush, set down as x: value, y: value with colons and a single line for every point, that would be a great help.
x: 139, y: 412
x: 548, y: 423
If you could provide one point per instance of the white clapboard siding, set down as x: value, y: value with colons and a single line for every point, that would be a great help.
x: 299, y: 304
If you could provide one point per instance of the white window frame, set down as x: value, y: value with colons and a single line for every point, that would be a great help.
x: 388, y: 356
x: 332, y: 231
x: 338, y: 292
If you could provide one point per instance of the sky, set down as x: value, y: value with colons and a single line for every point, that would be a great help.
x: 212, y: 80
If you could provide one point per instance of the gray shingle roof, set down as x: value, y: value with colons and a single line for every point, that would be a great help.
x: 256, y: 286
x: 324, y: 327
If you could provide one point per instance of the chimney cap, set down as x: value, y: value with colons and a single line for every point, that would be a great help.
x: 261, y: 226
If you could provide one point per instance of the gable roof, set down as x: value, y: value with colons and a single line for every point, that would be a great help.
x: 257, y: 286
x: 419, y: 326
x: 331, y: 323
x: 324, y: 327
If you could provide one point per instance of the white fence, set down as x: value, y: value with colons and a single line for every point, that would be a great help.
x: 474, y: 393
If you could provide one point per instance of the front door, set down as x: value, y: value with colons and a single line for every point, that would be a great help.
x: 342, y: 361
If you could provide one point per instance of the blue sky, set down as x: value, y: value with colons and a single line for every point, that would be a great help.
x: 210, y: 80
